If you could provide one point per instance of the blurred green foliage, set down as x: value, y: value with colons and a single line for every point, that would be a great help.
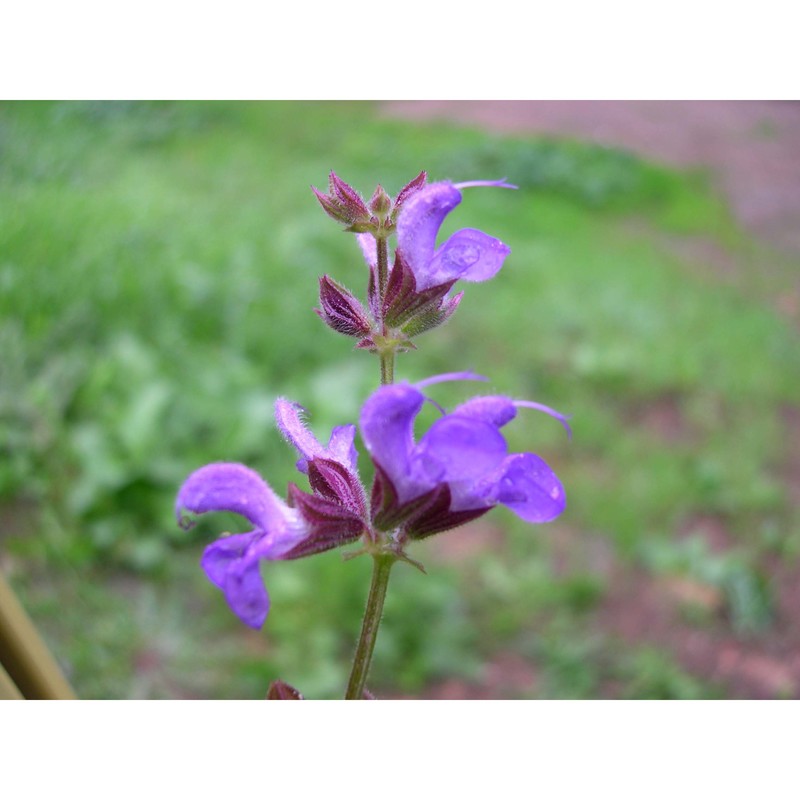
x: 158, y: 266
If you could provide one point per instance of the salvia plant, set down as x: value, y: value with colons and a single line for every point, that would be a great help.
x: 458, y: 470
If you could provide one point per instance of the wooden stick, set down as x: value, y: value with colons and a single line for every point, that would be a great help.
x: 24, y: 655
x: 8, y: 689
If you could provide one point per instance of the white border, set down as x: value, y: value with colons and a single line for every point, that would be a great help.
x: 649, y: 749
x: 401, y: 50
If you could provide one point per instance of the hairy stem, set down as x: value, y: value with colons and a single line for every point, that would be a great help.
x: 383, y: 266
x: 382, y: 563
x: 387, y: 368
x: 369, y: 627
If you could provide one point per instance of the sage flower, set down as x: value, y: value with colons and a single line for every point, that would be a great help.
x: 332, y: 515
x: 468, y: 254
x: 459, y: 469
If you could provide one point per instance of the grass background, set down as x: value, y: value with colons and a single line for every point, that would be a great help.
x: 158, y: 266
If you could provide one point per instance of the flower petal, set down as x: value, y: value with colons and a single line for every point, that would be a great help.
x: 460, y: 448
x: 468, y: 255
x: 230, y: 566
x: 369, y: 247
x: 219, y: 556
x: 494, y: 409
x: 291, y: 425
x: 387, y: 428
x: 238, y: 489
x: 530, y: 488
x: 341, y: 447
x: 419, y: 223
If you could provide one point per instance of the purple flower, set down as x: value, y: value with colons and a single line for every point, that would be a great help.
x: 468, y: 254
x: 333, y: 515
x: 231, y: 563
x: 459, y: 469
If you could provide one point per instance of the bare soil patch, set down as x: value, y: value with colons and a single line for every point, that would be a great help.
x: 751, y: 149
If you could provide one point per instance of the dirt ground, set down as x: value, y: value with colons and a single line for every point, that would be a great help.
x: 751, y: 151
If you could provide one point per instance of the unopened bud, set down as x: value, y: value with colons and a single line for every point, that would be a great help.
x: 280, y: 690
x: 348, y: 196
x: 332, y: 208
x: 381, y: 203
x: 343, y: 203
x: 411, y: 312
x: 340, y: 310
x: 410, y: 188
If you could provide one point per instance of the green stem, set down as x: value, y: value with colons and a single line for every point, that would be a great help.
x: 387, y: 368
x: 383, y: 265
x: 382, y: 563
x: 386, y: 356
x: 369, y: 627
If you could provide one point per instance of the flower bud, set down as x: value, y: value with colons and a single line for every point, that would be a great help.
x: 433, y: 316
x: 332, y: 208
x: 381, y: 203
x: 280, y: 690
x: 413, y: 312
x: 409, y: 189
x: 340, y: 310
x: 421, y: 517
x: 347, y: 195
x: 329, y: 523
x: 336, y: 483
x: 343, y: 204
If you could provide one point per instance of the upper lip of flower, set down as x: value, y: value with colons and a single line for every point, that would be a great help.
x: 340, y: 448
x: 468, y: 254
x: 224, y: 486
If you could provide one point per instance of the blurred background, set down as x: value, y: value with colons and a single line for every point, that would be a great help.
x: 158, y: 270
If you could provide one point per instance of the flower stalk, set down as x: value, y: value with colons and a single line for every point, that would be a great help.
x: 382, y: 249
x: 382, y: 565
x: 387, y: 368
x: 382, y: 562
x: 455, y: 472
x: 386, y: 354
